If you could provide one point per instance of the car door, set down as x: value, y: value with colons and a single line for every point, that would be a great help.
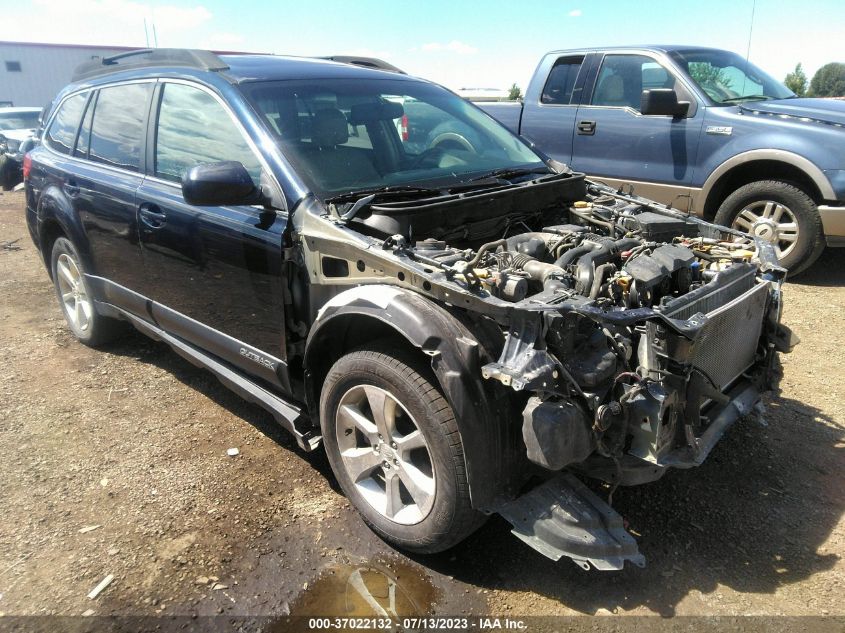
x: 214, y: 274
x: 103, y: 185
x: 615, y: 142
x: 548, y: 118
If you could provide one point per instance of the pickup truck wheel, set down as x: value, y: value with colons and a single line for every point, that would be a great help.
x: 393, y: 444
x: 782, y: 214
x: 75, y: 298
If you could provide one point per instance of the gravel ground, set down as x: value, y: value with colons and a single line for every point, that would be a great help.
x: 114, y: 462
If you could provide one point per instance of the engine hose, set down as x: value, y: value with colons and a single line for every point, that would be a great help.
x: 484, y: 248
x: 598, y: 279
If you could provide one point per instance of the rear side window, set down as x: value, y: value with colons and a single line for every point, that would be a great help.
x: 561, y: 82
x: 193, y: 128
x: 63, y: 129
x: 84, y: 139
x: 118, y: 126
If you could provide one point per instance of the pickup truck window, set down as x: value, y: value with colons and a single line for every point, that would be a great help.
x: 347, y: 135
x: 118, y: 125
x: 622, y: 79
x: 561, y: 81
x: 728, y: 78
x: 193, y: 128
x: 62, y: 132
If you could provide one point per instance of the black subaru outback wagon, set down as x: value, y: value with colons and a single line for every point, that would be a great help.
x: 462, y: 323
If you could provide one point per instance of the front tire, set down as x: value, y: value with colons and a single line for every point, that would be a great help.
x: 393, y: 444
x: 75, y: 298
x: 778, y: 212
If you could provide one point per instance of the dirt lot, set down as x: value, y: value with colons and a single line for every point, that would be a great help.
x: 133, y: 440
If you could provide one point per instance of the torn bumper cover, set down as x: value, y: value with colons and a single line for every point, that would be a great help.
x: 562, y: 517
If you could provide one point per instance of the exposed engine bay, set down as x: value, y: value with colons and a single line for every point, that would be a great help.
x: 630, y: 335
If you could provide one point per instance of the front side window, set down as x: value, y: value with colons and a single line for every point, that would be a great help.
x: 561, y: 82
x: 346, y: 135
x: 728, y: 78
x: 117, y: 130
x: 622, y: 79
x: 62, y: 132
x: 193, y: 128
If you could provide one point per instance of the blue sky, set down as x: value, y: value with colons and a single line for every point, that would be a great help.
x: 457, y: 43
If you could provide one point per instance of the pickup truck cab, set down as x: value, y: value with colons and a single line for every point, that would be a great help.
x: 700, y: 129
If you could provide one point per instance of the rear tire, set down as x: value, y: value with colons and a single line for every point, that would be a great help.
x: 779, y: 212
x: 403, y: 470
x: 76, y: 300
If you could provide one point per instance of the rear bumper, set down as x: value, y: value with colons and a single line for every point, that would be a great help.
x: 833, y: 224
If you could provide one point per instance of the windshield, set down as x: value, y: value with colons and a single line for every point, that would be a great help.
x: 346, y: 135
x: 727, y: 78
x: 18, y: 120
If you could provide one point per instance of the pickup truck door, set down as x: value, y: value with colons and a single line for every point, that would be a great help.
x: 214, y: 274
x: 550, y: 108
x: 615, y: 143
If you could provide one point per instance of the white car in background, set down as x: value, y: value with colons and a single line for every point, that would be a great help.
x: 17, y: 125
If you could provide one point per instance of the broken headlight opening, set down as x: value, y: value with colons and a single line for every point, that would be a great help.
x: 633, y: 335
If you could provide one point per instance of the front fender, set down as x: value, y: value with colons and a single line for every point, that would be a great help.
x: 457, y: 356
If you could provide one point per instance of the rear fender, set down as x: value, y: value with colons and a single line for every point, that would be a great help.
x: 54, y: 209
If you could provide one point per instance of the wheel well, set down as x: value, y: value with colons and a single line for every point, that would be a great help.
x: 49, y: 233
x: 345, y: 334
x: 757, y: 170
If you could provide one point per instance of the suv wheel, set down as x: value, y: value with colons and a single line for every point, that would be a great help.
x: 393, y: 444
x: 780, y: 213
x: 75, y: 298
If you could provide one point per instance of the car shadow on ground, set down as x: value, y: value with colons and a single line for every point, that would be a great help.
x: 141, y: 348
x: 829, y: 270
x: 751, y: 518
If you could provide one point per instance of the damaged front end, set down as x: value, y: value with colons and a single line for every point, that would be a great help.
x: 631, y: 336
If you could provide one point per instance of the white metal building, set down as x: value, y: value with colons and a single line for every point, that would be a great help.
x: 31, y: 74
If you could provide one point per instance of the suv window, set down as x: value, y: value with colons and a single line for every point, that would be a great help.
x: 63, y: 129
x: 118, y: 126
x: 623, y: 78
x: 561, y: 81
x: 193, y: 128
x: 84, y: 139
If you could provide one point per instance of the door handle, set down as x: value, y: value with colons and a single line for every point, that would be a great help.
x: 152, y: 216
x: 586, y: 128
x: 71, y: 188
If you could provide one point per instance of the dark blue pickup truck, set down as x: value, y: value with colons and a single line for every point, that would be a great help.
x: 701, y: 129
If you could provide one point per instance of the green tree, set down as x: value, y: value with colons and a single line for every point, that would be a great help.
x: 706, y: 75
x: 514, y: 93
x: 796, y: 81
x: 829, y: 81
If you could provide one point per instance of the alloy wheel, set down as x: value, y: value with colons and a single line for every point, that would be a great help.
x: 385, y: 454
x: 78, y: 306
x: 771, y: 221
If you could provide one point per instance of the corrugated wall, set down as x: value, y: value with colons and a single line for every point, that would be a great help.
x: 44, y: 70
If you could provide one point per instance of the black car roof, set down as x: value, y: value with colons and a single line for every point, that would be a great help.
x: 236, y: 68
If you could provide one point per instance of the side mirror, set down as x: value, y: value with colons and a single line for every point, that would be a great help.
x: 219, y: 184
x: 662, y: 102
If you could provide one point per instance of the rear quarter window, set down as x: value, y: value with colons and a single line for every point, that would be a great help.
x: 118, y: 127
x: 62, y: 131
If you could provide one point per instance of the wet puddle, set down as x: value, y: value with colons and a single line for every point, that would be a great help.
x: 376, y: 588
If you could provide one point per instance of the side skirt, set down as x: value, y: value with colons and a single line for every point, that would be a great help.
x: 289, y: 416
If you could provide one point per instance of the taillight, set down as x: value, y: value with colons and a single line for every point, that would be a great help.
x: 404, y: 127
x: 27, y: 166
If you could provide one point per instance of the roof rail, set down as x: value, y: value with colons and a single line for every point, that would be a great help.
x: 367, y: 62
x: 148, y: 57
